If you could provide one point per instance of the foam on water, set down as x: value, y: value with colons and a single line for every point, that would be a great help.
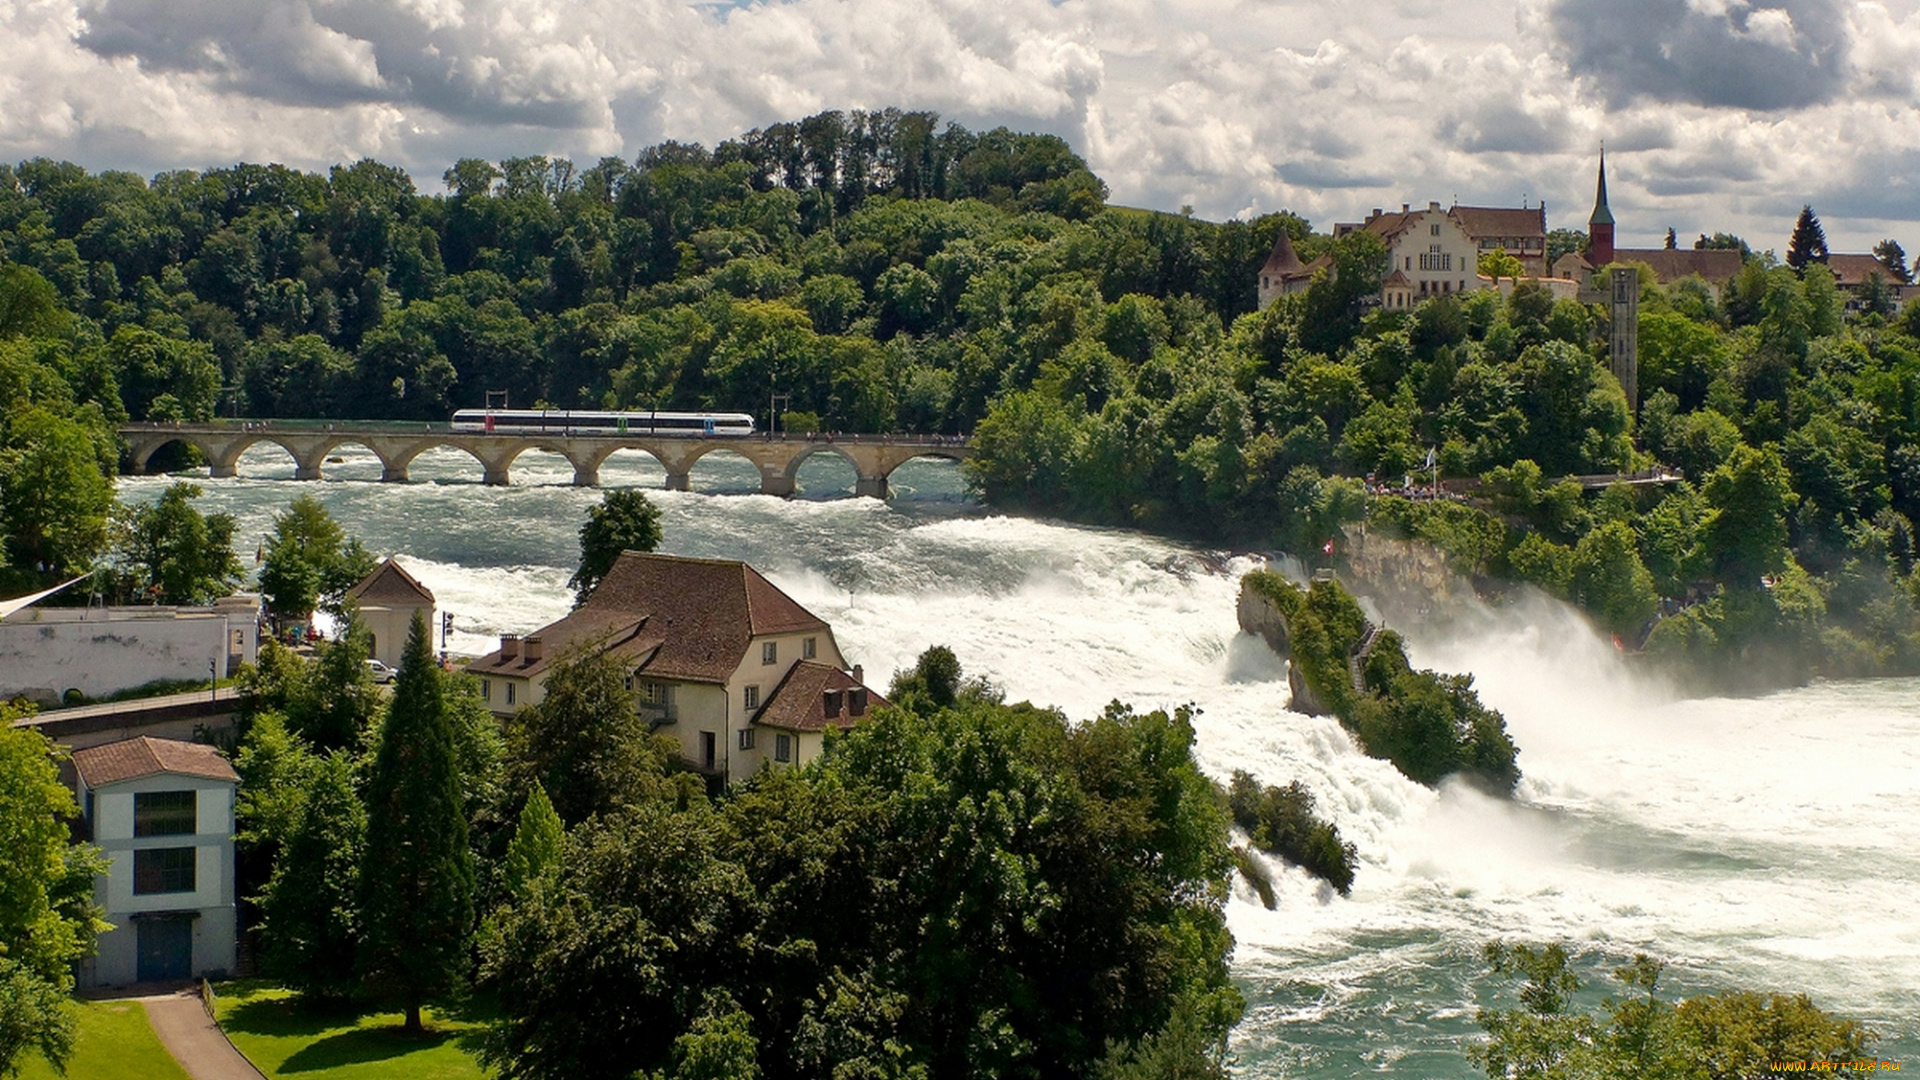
x: 1762, y: 842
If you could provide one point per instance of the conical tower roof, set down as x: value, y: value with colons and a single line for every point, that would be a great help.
x: 1281, y: 261
x: 1602, y: 214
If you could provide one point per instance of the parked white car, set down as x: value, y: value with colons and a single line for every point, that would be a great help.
x: 381, y: 672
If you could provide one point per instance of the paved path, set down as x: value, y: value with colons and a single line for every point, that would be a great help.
x: 194, y: 1040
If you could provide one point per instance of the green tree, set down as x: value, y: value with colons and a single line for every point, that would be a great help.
x: 625, y: 520
x: 585, y: 743
x: 417, y: 876
x: 1638, y: 1034
x: 1497, y: 264
x: 176, y: 554
x: 1745, y: 534
x: 310, y: 560
x: 1808, y: 244
x: 535, y: 849
x: 54, y: 492
x: 1611, y: 582
x: 47, y: 917
x: 1894, y: 258
x: 152, y: 368
x: 310, y: 922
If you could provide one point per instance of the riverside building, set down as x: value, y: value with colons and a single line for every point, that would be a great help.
x: 736, y: 671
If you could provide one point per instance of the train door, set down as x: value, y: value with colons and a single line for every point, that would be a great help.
x: 620, y: 424
x: 707, y: 424
x: 487, y: 424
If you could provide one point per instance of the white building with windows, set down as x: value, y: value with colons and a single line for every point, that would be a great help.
x: 718, y: 657
x: 1429, y: 253
x: 162, y: 811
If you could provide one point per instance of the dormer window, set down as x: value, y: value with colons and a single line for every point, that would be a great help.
x: 830, y: 703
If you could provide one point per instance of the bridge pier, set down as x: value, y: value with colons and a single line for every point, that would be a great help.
x: 497, y: 477
x: 306, y: 472
x: 222, y: 470
x: 586, y: 476
x: 392, y: 474
x: 872, y: 487
x: 774, y: 483
x: 679, y: 481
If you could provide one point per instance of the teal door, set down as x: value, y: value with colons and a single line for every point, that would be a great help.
x: 166, y: 949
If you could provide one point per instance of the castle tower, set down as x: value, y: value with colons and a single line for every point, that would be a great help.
x: 1600, y: 225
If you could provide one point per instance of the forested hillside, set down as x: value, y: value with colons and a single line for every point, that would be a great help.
x: 891, y: 274
x: 884, y: 272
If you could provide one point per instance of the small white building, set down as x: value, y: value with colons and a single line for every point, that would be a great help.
x: 388, y: 599
x: 717, y: 656
x: 162, y: 812
x: 46, y: 652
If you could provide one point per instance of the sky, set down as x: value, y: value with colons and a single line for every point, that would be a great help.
x: 1717, y: 115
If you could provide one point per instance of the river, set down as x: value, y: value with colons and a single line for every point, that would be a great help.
x: 1767, y: 842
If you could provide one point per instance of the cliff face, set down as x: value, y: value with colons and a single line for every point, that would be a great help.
x: 1259, y: 615
x: 1400, y: 575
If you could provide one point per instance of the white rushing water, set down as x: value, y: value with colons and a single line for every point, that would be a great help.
x: 1764, y: 842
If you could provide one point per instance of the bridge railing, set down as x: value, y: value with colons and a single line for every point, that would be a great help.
x: 428, y: 427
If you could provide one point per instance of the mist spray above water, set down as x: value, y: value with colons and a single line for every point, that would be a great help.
x: 1762, y: 842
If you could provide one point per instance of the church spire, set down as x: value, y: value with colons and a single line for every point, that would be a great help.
x: 1602, y: 215
x: 1600, y: 225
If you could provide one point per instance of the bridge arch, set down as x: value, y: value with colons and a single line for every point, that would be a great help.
x: 769, y: 479
x: 398, y: 460
x: 790, y: 475
x: 223, y: 460
x: 587, y: 466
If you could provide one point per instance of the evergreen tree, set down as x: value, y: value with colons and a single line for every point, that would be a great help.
x: 535, y: 849
x: 417, y: 878
x: 1894, y: 258
x: 625, y: 520
x: 310, y: 924
x: 1809, y: 242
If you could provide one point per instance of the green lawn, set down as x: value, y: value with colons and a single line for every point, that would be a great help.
x: 112, y: 1042
x: 285, y: 1039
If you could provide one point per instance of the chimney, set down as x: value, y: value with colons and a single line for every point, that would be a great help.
x: 859, y: 675
x: 535, y: 650
x: 1404, y: 207
x: 509, y: 647
x: 857, y: 701
x: 1433, y: 208
x: 1376, y: 213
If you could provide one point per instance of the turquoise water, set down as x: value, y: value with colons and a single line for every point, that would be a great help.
x: 1766, y: 842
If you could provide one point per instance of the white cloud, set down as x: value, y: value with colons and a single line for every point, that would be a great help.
x: 1718, y: 114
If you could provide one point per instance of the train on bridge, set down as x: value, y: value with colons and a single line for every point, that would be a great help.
x: 691, y: 425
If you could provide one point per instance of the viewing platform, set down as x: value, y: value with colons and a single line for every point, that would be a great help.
x: 397, y: 443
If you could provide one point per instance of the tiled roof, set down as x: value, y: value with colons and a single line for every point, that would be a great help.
x: 1397, y: 280
x: 799, y: 703
x: 1853, y: 270
x: 1282, y: 261
x: 390, y: 584
x: 1501, y: 221
x: 691, y: 619
x: 1672, y: 264
x: 131, y: 759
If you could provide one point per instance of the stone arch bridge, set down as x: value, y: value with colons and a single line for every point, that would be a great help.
x: 396, y: 444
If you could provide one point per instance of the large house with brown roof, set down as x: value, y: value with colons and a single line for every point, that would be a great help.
x: 161, y: 811
x: 1521, y: 233
x: 388, y: 598
x: 718, y: 657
